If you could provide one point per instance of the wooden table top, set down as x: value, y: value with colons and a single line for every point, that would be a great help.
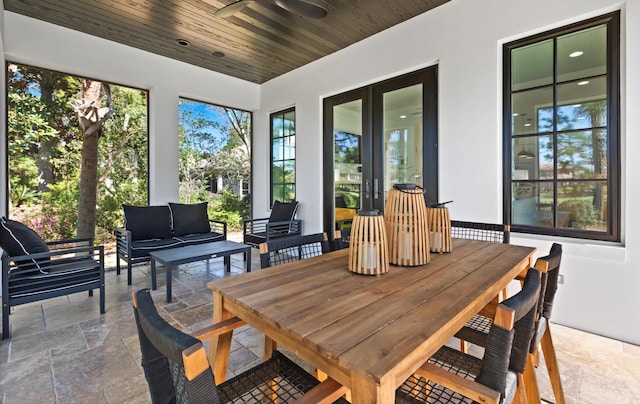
x: 379, y: 328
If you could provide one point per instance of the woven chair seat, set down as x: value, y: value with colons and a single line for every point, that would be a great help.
x: 418, y: 390
x: 476, y: 330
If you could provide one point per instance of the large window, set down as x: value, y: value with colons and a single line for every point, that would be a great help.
x: 283, y: 156
x: 77, y: 150
x: 215, y: 159
x: 561, y: 125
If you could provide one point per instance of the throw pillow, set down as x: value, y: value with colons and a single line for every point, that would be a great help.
x: 17, y: 239
x: 147, y: 222
x: 283, y: 211
x: 189, y: 218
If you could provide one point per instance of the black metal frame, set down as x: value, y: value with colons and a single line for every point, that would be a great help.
x: 71, y: 266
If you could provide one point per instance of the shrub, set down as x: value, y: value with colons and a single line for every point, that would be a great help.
x: 581, y: 214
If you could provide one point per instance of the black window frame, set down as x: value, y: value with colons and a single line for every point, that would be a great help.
x: 612, y: 23
x: 280, y: 115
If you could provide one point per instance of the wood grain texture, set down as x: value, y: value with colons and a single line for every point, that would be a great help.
x: 371, y: 333
x: 260, y: 43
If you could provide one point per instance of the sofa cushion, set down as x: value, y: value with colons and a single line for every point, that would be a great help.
x: 189, y: 218
x: 147, y: 222
x: 17, y: 239
x: 283, y: 211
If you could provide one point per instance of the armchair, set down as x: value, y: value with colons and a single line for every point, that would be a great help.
x: 33, y: 270
x: 280, y: 223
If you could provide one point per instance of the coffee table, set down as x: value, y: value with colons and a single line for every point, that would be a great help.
x: 198, y: 252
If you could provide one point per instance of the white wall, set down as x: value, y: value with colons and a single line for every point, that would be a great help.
x: 465, y: 37
x: 37, y: 43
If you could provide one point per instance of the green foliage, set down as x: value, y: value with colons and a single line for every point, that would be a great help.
x: 229, y: 207
x: 581, y: 214
x: 44, y: 132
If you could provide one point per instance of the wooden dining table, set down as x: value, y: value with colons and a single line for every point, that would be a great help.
x: 369, y: 333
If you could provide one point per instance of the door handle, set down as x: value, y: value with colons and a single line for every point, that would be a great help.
x: 375, y: 188
x: 367, y: 193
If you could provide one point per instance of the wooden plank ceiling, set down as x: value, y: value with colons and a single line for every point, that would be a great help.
x: 260, y: 42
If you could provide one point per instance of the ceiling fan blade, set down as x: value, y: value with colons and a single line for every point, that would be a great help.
x: 231, y: 9
x: 302, y: 7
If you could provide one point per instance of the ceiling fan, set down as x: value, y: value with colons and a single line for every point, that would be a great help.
x: 302, y: 8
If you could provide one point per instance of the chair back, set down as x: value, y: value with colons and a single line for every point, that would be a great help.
x: 175, y: 364
x: 283, y: 211
x: 550, y: 278
x: 341, y: 238
x: 508, y: 344
x: 492, y: 232
x: 288, y: 249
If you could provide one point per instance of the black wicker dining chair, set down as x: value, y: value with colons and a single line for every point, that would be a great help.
x: 341, y: 238
x: 294, y: 248
x: 176, y: 367
x: 451, y: 376
x: 476, y: 330
x: 492, y: 232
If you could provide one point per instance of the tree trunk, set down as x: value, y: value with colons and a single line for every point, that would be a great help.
x: 89, y: 170
x: 45, y: 171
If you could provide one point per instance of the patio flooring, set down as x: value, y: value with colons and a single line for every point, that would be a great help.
x: 62, y: 350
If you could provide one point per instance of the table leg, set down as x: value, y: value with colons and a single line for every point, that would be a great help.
x: 366, y: 391
x: 154, y: 284
x: 220, y: 345
x: 227, y: 263
x: 168, y: 266
x: 247, y: 254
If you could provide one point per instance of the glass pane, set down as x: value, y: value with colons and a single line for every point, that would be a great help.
x: 289, y: 174
x: 278, y: 152
x: 347, y: 141
x: 582, y: 104
x: 582, y: 54
x: 290, y: 123
x: 532, y: 65
x: 532, y: 158
x: 277, y: 126
x: 582, y: 205
x: 524, y: 107
x: 532, y: 203
x: 289, y: 147
x: 290, y: 192
x: 402, y: 120
x: 582, y: 155
x: 524, y: 199
x: 278, y: 192
x: 277, y: 172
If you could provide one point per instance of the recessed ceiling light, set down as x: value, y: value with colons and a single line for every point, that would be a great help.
x: 577, y: 105
x: 183, y: 42
x: 527, y: 124
x: 217, y: 54
x: 582, y: 83
x: 515, y: 114
x: 403, y: 116
x: 575, y: 54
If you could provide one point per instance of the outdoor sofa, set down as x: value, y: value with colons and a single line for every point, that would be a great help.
x: 154, y: 228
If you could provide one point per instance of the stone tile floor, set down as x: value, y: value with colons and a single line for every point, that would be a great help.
x: 62, y: 350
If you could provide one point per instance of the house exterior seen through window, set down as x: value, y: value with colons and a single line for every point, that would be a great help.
x: 283, y: 156
x: 561, y: 124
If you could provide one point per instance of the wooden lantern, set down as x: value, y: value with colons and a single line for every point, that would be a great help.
x: 368, y: 244
x: 440, y: 229
x: 407, y: 227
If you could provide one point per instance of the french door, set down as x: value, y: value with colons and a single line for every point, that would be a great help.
x: 375, y: 137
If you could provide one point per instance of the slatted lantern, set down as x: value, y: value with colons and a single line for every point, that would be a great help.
x: 405, y: 217
x: 368, y: 244
x: 439, y: 228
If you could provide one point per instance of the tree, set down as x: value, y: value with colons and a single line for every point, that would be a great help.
x: 91, y: 116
